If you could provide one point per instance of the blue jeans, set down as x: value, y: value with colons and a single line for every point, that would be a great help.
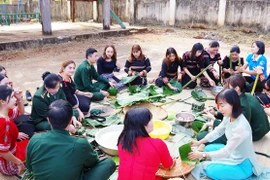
x: 227, y: 171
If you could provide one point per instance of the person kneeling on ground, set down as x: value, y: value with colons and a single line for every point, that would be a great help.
x: 57, y: 155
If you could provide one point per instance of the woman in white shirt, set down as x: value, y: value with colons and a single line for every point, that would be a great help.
x: 236, y: 160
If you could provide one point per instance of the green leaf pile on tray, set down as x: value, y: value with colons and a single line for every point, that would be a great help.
x: 199, y: 95
x: 183, y: 152
x: 111, y: 120
x: 140, y: 94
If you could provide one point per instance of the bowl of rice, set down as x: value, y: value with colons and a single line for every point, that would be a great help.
x: 161, y: 129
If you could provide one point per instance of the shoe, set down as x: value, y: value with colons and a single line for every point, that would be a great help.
x: 28, y: 96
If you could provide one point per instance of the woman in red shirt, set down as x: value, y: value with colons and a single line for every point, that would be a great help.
x: 140, y: 155
x: 12, y: 153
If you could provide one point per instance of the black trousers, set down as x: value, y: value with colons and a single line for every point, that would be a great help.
x: 25, y: 125
x: 84, y: 103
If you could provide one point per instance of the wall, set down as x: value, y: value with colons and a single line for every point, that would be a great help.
x: 196, y: 13
x: 204, y: 13
x: 248, y: 13
x: 152, y: 12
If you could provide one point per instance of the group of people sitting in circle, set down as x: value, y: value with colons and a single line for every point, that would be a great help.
x: 61, y: 103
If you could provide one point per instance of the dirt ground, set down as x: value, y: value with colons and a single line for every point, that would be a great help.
x: 26, y: 66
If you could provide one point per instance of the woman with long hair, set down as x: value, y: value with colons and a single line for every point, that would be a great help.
x: 138, y: 64
x: 256, y: 63
x: 193, y: 64
x: 78, y: 99
x: 169, y: 69
x: 12, y: 153
x: 107, y: 64
x: 237, y: 156
x: 212, y: 56
x: 140, y: 155
x: 232, y: 62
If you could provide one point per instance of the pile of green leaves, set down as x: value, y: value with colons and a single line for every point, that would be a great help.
x: 199, y: 95
x: 111, y: 120
x: 152, y: 93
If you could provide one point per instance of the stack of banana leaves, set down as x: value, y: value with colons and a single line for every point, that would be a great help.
x: 139, y: 94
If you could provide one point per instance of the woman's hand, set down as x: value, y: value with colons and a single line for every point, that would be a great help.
x: 212, y: 83
x: 193, y: 78
x: 75, y: 122
x: 87, y: 94
x: 195, y: 155
x: 105, y: 93
x: 81, y: 115
x: 18, y: 94
x: 196, y: 143
x: 165, y: 80
x: 21, y: 168
x: 71, y: 129
x: 22, y: 136
x: 112, y: 83
x: 209, y: 116
x: 210, y: 110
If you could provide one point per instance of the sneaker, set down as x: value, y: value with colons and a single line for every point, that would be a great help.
x: 28, y: 96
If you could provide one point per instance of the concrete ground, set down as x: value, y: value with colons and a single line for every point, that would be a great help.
x: 25, y: 67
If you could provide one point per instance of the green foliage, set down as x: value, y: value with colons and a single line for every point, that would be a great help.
x: 168, y: 91
x: 128, y: 79
x: 199, y: 95
x: 113, y: 91
x: 80, y: 131
x: 111, y: 120
x: 183, y: 151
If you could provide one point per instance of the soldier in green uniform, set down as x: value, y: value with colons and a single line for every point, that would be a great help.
x: 55, y: 155
x: 252, y: 110
x: 44, y: 96
x: 86, y: 73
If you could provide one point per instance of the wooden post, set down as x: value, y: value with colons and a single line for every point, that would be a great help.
x: 172, y: 12
x: 132, y: 9
x: 221, y: 12
x: 95, y: 12
x: 46, y: 17
x: 106, y: 7
x: 73, y: 6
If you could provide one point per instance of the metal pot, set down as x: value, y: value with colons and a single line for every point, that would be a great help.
x: 185, y: 119
x: 107, y: 139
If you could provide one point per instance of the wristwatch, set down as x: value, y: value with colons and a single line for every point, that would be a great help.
x: 204, y: 155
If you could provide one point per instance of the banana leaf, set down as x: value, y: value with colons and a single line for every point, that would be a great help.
x: 111, y: 120
x: 183, y: 151
x: 135, y: 89
x: 80, y: 131
x: 197, y: 125
x: 128, y: 79
x: 113, y: 91
x: 199, y: 95
x: 168, y: 91
x: 116, y: 160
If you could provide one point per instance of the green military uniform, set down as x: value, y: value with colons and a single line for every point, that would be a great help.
x: 253, y: 112
x: 41, y: 101
x: 83, y: 77
x: 258, y: 121
x: 55, y: 155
